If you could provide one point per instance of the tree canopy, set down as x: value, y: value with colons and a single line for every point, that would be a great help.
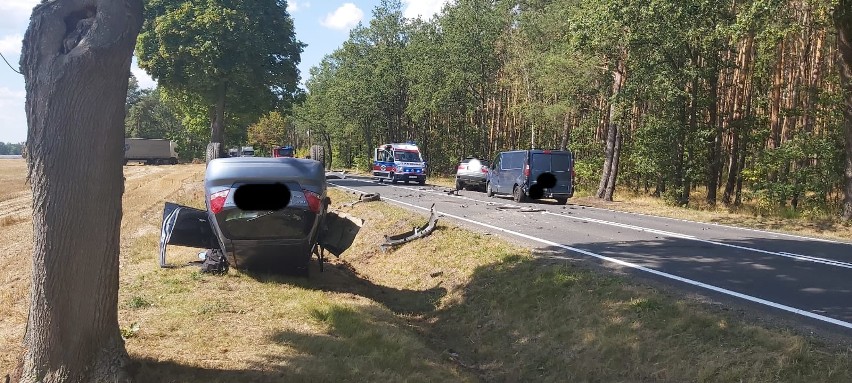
x: 732, y: 100
x: 239, y: 53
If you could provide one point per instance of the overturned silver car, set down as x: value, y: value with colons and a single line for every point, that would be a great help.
x: 252, y: 236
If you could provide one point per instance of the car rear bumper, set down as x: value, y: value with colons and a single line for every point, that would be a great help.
x: 469, y: 179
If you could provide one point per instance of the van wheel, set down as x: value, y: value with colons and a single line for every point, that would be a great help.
x: 518, y: 194
x: 488, y: 191
x: 561, y: 201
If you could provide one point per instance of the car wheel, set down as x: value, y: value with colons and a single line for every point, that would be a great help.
x: 561, y: 201
x: 518, y: 194
x: 422, y: 182
x: 488, y: 191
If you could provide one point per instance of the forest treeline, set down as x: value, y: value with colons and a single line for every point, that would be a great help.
x: 9, y: 148
x: 732, y: 101
x: 666, y: 97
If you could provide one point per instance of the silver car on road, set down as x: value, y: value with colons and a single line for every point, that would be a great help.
x: 472, y: 172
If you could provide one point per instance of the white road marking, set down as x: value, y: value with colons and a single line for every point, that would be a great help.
x: 708, y: 223
x: 806, y: 258
x: 717, y: 289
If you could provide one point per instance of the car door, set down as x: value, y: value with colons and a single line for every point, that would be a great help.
x: 185, y: 226
x: 511, y: 163
x: 339, y: 232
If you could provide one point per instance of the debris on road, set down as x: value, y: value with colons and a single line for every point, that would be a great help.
x: 415, y: 233
x: 372, y: 197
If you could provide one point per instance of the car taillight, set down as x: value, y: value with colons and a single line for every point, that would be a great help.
x: 217, y: 200
x: 484, y: 169
x: 526, y: 170
x: 314, y: 201
x: 462, y: 167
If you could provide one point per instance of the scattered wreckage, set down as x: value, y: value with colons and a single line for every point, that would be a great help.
x: 415, y: 233
x: 263, y: 214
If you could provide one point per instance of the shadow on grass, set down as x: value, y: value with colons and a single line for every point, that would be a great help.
x: 341, y: 277
x: 358, y: 343
x: 547, y: 318
x: 150, y: 370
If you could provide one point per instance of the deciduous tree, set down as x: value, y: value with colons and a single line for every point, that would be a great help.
x: 75, y: 60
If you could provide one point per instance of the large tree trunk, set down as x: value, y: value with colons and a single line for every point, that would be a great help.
x: 612, y: 136
x: 217, y: 124
x: 843, y: 22
x: 76, y: 85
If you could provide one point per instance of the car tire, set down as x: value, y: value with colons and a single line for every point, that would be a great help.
x: 488, y: 191
x: 422, y: 182
x: 561, y: 201
x: 518, y: 195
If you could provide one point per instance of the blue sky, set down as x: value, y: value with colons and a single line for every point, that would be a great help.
x: 322, y: 24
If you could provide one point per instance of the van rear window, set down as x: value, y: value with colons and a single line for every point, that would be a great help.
x: 558, y: 162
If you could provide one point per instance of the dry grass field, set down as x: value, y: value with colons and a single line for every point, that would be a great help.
x: 455, y: 306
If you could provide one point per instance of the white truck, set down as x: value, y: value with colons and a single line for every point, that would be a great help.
x: 150, y: 151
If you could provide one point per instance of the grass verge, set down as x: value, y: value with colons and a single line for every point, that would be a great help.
x: 454, y: 306
x: 510, y: 316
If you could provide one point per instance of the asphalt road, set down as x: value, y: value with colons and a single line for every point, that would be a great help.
x: 806, y: 280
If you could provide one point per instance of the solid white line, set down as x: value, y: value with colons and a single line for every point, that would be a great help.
x: 807, y: 258
x: 713, y: 224
x: 637, y: 267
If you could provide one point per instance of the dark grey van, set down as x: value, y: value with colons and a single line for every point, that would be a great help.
x: 517, y: 172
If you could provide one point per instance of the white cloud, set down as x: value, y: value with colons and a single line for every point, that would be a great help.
x: 142, y: 77
x: 343, y: 18
x: 294, y: 6
x: 12, y: 116
x: 423, y: 8
x: 16, y: 14
x: 10, y: 45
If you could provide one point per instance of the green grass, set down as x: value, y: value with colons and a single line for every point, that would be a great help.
x: 455, y: 306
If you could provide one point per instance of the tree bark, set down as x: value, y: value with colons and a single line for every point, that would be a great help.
x: 217, y: 124
x: 76, y: 84
x: 843, y: 23
x: 612, y: 135
x: 613, y: 174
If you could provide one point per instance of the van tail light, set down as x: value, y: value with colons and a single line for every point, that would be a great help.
x: 526, y: 170
x: 314, y: 200
x: 462, y: 167
x: 217, y: 200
